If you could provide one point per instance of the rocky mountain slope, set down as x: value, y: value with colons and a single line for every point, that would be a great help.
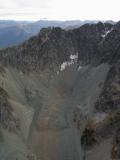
x: 60, y: 95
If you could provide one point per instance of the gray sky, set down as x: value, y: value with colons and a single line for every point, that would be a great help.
x: 60, y: 9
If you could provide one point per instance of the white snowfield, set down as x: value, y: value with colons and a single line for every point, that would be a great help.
x: 73, y: 59
x: 106, y: 33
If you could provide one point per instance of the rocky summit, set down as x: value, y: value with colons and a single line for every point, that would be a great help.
x: 60, y: 95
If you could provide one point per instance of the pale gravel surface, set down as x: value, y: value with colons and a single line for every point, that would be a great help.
x: 48, y: 114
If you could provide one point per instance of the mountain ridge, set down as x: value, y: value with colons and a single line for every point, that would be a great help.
x: 30, y: 28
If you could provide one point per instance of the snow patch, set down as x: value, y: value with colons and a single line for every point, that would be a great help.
x: 106, y: 33
x: 73, y: 59
x: 65, y: 64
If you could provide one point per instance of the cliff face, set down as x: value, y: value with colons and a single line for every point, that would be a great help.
x: 60, y: 94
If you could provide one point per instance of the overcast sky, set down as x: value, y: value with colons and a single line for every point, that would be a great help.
x: 60, y: 9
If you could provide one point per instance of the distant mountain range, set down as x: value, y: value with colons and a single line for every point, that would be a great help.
x: 15, y: 32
